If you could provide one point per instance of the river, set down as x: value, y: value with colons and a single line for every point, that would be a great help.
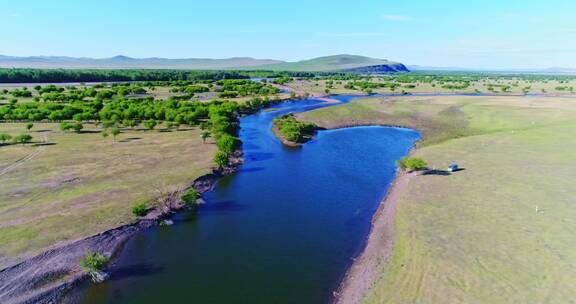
x: 283, y: 229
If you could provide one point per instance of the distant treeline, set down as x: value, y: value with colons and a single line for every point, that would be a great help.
x: 69, y: 75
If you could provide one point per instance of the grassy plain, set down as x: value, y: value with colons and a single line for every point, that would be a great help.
x: 516, y: 87
x: 68, y: 186
x: 501, y: 231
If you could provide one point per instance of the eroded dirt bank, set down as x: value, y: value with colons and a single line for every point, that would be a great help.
x: 363, y: 273
x: 47, y: 276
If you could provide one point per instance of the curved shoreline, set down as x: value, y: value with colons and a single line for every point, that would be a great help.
x: 46, y: 277
x: 361, y: 276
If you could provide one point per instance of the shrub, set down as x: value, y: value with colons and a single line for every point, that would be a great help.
x: 139, y: 209
x: 412, y: 164
x: 4, y: 138
x: 221, y: 159
x: 93, y: 262
x: 22, y: 138
x: 150, y: 124
x: 189, y: 198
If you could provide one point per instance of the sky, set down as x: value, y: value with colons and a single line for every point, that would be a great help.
x: 489, y: 34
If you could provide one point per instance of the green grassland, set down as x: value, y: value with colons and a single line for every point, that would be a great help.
x: 502, y: 230
x: 67, y: 186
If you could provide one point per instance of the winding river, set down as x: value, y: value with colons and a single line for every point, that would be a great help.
x: 284, y: 229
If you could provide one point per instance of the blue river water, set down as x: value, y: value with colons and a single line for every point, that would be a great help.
x: 283, y: 229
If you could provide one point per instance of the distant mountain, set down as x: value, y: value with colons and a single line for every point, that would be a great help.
x: 554, y: 70
x: 560, y: 70
x: 432, y: 68
x: 124, y: 62
x: 350, y: 63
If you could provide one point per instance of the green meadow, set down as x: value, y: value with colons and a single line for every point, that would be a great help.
x: 500, y: 231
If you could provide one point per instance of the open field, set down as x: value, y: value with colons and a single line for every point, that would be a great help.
x: 75, y: 185
x: 500, y: 231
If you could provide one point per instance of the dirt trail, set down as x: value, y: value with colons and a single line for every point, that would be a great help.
x: 375, y: 256
x: 27, y: 158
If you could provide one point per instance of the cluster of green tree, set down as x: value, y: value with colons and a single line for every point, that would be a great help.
x: 368, y: 86
x: 294, y: 130
x: 230, y: 88
x: 62, y: 75
x: 457, y: 86
x: 18, y: 139
x: 23, y: 92
x: 22, y: 75
x: 190, y: 89
x: 282, y: 80
x: 503, y: 87
x: 344, y: 76
x: 219, y: 117
x: 564, y: 88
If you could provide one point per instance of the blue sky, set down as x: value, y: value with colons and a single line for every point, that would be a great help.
x: 475, y: 34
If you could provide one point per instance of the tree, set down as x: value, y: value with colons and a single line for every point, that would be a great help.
x: 115, y: 132
x: 221, y: 159
x: 77, y: 127
x: 4, y: 138
x: 205, y: 135
x: 64, y: 126
x: 22, y: 138
x: 204, y: 125
x: 227, y: 143
x: 412, y: 164
x: 150, y: 124
x: 104, y: 134
x: 29, y: 126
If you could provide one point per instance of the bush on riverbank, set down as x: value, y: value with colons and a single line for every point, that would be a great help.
x: 189, y: 198
x: 139, y: 209
x: 93, y: 262
x: 412, y: 164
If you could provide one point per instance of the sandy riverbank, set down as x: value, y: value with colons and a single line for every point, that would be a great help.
x: 366, y: 268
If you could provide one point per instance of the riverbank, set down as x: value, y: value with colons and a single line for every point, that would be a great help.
x: 497, y: 231
x: 46, y: 277
x: 375, y: 256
